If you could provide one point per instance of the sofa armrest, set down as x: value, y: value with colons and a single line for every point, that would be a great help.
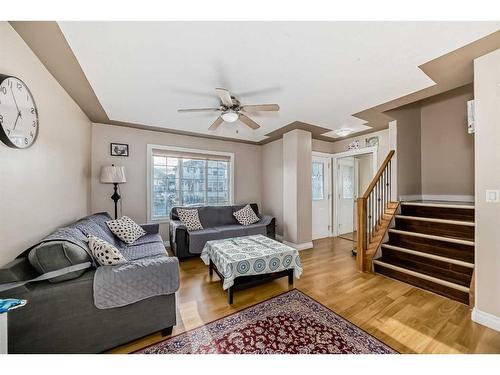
x: 265, y: 219
x: 179, y: 239
x: 270, y: 223
x: 151, y: 228
x: 17, y: 270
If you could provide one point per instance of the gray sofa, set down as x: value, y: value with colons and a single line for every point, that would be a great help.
x: 218, y: 223
x: 61, y: 316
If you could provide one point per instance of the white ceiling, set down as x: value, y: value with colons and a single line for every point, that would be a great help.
x: 318, y: 72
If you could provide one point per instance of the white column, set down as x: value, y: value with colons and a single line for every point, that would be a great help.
x: 297, y: 189
x: 487, y: 177
x: 3, y: 333
x: 393, y: 145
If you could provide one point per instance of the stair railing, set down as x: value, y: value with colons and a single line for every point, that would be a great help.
x: 372, y: 206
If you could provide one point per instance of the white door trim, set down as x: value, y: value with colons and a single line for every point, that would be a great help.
x: 362, y: 151
x: 329, y: 176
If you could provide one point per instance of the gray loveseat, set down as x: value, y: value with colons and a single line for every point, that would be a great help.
x: 61, y: 315
x: 218, y: 223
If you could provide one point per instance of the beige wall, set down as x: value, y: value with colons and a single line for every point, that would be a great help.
x: 341, y: 146
x: 487, y: 176
x: 409, y: 163
x: 47, y: 185
x: 247, y: 166
x: 447, y: 148
x: 272, y: 181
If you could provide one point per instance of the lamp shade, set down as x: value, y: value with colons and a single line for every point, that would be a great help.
x: 113, y: 175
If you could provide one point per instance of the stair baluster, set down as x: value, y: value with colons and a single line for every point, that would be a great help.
x: 372, y: 206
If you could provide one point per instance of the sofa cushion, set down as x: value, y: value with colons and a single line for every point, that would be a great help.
x: 212, y: 216
x: 150, y: 246
x: 105, y: 253
x: 246, y: 216
x: 237, y: 230
x: 190, y: 219
x: 197, y: 239
x: 126, y: 229
x: 54, y: 255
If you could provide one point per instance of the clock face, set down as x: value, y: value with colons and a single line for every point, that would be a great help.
x: 18, y: 113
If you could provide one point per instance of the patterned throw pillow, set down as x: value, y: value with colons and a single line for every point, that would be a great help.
x: 105, y: 253
x: 190, y: 219
x: 246, y: 215
x: 126, y: 229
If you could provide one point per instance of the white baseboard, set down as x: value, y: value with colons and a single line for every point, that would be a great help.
x: 299, y: 246
x: 486, y: 319
x: 414, y: 197
x: 279, y: 238
x: 448, y: 198
x: 444, y: 198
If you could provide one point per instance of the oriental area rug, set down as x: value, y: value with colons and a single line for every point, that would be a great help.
x: 291, y: 323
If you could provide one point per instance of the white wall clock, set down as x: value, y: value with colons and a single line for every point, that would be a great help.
x: 18, y: 113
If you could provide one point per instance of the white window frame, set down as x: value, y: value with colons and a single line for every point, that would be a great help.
x: 149, y: 178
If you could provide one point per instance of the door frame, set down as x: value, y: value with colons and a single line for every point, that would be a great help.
x: 328, y: 176
x: 334, y: 182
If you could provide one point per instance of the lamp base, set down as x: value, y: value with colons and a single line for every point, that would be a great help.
x: 116, y: 197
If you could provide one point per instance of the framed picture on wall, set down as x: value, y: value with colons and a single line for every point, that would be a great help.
x: 372, y: 141
x: 119, y: 149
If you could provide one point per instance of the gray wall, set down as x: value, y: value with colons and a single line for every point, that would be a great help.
x: 247, y: 168
x: 409, y: 163
x: 47, y: 185
x: 447, y: 148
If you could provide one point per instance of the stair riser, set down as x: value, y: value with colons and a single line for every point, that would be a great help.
x: 442, y: 270
x: 436, y: 247
x: 447, y: 213
x: 424, y: 284
x: 438, y: 229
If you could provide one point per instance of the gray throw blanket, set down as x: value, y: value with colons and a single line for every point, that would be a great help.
x: 135, y: 280
x: 148, y: 272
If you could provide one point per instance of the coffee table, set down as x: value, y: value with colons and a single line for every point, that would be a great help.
x: 242, y: 262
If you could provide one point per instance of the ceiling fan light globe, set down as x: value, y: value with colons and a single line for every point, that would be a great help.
x: 343, y: 132
x: 230, y: 116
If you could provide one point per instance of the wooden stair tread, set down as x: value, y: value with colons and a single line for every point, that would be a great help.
x: 428, y: 255
x: 433, y: 237
x: 436, y: 220
x: 428, y: 283
x: 421, y: 275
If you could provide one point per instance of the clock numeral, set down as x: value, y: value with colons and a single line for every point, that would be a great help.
x: 9, y: 82
x: 31, y: 134
x: 34, y: 123
x: 32, y: 110
x: 25, y: 140
x: 4, y: 90
x: 19, y: 86
x: 1, y: 118
x: 8, y: 131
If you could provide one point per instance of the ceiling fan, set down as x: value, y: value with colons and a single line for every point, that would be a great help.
x: 232, y: 109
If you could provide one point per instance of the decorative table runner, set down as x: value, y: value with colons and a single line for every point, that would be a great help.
x: 250, y: 255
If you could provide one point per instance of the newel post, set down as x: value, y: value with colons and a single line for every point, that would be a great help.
x: 361, y: 229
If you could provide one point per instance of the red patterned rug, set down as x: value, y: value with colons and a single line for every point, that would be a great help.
x: 292, y: 323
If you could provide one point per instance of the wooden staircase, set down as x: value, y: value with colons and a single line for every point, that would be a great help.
x: 431, y: 246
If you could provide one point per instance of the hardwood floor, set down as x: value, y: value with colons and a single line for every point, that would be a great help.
x: 408, y: 319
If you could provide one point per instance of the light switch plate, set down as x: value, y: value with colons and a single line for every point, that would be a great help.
x: 492, y: 196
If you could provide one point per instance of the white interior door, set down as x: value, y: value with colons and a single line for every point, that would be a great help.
x: 346, y: 189
x: 321, y: 198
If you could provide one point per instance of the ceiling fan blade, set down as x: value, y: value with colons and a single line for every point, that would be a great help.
x: 216, y: 123
x: 198, y: 110
x: 249, y: 122
x: 225, y: 97
x: 260, y: 107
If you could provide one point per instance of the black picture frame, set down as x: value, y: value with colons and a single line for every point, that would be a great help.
x: 119, y: 149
